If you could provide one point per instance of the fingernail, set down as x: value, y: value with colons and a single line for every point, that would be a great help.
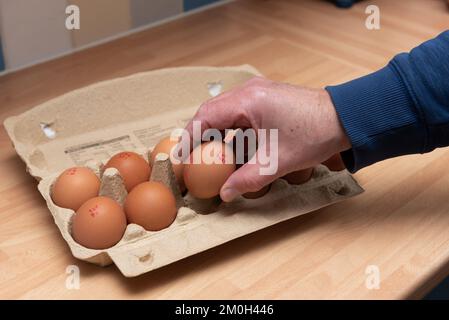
x: 228, y: 194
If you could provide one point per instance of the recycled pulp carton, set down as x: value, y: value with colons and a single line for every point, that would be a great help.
x: 87, y: 126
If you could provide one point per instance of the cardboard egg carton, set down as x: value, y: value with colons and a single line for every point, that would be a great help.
x: 87, y: 126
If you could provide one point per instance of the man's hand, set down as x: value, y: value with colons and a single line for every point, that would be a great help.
x: 309, y: 131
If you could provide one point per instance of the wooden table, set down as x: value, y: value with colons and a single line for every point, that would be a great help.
x: 400, y: 225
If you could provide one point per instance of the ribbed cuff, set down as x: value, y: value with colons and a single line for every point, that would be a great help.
x: 379, y: 117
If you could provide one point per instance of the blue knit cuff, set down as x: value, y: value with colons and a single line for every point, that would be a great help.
x: 379, y: 117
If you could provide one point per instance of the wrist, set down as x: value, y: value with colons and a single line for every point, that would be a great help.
x: 339, y: 138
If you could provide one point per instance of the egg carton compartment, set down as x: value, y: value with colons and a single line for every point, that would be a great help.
x: 131, y: 114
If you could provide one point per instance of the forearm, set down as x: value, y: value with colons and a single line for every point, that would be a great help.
x: 400, y: 109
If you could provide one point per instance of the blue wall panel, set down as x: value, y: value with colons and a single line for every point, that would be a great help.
x: 193, y: 4
x: 2, y: 61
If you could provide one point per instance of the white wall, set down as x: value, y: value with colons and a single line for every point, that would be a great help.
x: 100, y: 19
x: 33, y: 30
x: 144, y: 12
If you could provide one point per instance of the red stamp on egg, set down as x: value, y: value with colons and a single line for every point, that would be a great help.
x: 71, y: 171
x: 94, y: 211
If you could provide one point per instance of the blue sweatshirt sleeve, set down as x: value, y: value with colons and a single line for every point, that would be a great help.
x: 400, y: 109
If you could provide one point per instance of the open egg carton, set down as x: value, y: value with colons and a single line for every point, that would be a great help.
x: 87, y: 126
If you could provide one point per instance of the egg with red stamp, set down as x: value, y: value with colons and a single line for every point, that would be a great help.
x: 99, y: 223
x: 209, y: 166
x: 75, y: 186
x: 132, y: 168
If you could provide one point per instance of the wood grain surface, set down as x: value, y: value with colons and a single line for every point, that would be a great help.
x: 400, y: 224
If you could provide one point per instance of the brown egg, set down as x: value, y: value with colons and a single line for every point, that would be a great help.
x: 257, y: 194
x: 151, y: 205
x: 166, y: 146
x: 99, y: 223
x: 299, y: 177
x: 132, y: 167
x: 75, y: 186
x: 335, y: 163
x: 215, y: 164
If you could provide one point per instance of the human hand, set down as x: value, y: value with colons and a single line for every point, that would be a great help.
x: 309, y: 131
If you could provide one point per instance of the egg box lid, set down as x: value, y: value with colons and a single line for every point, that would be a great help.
x: 97, y: 121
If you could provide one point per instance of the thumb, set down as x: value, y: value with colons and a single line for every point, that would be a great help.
x: 246, y: 179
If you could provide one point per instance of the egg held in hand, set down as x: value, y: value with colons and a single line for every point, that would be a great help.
x: 75, y: 186
x: 151, y: 205
x: 210, y: 165
x: 166, y: 146
x: 99, y: 223
x: 132, y: 168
